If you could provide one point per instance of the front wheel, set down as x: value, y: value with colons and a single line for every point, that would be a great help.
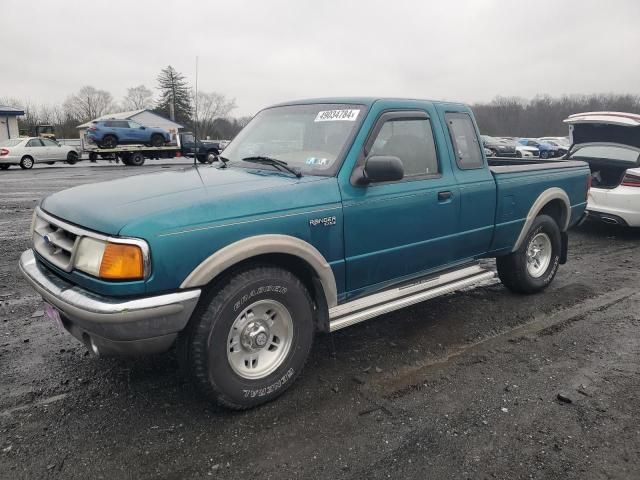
x: 72, y: 158
x: 544, y: 154
x: 250, y: 337
x: 533, y: 266
x: 157, y: 140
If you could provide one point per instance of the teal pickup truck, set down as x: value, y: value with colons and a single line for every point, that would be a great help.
x: 321, y: 214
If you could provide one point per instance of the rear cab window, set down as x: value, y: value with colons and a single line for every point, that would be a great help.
x: 464, y: 140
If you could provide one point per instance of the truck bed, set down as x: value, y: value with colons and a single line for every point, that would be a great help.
x: 509, y: 165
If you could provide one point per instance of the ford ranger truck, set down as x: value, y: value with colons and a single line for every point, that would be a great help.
x: 321, y: 214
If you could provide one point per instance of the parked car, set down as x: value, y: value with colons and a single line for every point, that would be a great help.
x: 110, y: 133
x: 499, y: 147
x: 321, y: 214
x: 546, y: 150
x: 27, y: 151
x: 526, y: 151
x: 562, y: 146
x: 610, y: 143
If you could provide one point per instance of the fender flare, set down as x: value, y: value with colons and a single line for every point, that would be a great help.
x: 250, y: 247
x: 542, y: 201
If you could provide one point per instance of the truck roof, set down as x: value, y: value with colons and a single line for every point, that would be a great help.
x: 367, y: 101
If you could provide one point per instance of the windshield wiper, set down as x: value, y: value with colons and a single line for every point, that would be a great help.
x: 279, y: 164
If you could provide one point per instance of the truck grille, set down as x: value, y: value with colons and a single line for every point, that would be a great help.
x: 53, y: 241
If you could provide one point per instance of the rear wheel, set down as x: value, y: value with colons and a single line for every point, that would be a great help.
x: 533, y: 266
x: 26, y: 163
x: 137, y: 159
x: 250, y: 338
x: 109, y: 141
x: 212, y: 156
x: 72, y: 158
x: 544, y: 154
x: 157, y: 140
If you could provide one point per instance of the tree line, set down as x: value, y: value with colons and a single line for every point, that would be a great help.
x: 208, y: 112
x: 543, y: 115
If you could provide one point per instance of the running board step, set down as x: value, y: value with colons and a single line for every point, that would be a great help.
x: 371, y: 306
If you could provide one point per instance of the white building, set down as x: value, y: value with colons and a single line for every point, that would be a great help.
x: 9, y: 122
x: 144, y: 117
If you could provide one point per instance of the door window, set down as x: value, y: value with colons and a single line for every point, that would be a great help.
x: 464, y: 140
x: 34, y: 142
x: 134, y: 125
x: 49, y: 143
x: 411, y: 140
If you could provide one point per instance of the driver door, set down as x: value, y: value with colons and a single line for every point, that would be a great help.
x: 402, y: 229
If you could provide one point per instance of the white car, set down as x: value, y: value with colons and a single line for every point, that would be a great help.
x: 526, y: 151
x: 610, y: 143
x: 26, y: 151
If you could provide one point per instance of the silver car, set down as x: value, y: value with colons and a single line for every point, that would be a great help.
x: 26, y: 151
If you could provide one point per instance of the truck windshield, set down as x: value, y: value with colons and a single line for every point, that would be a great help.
x: 312, y: 138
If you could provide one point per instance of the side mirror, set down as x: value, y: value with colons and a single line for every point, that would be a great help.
x: 382, y: 168
x: 142, y: 128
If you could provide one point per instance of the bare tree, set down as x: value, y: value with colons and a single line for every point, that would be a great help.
x: 211, y: 107
x: 89, y: 103
x: 138, y: 98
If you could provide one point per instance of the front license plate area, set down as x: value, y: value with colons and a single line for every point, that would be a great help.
x: 53, y: 314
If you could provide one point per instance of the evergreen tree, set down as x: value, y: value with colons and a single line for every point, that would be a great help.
x: 174, y: 92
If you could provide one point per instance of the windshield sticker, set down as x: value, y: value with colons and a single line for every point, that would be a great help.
x: 337, y: 115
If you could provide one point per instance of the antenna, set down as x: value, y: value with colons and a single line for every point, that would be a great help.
x: 195, y: 121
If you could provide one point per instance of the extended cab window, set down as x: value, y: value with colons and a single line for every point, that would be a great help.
x: 465, y: 141
x: 411, y: 140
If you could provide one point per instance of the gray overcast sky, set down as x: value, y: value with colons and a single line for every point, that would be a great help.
x: 263, y: 52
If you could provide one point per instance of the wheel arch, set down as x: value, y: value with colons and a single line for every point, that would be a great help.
x: 291, y: 253
x: 553, y: 202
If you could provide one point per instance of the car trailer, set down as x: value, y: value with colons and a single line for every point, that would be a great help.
x: 135, y: 155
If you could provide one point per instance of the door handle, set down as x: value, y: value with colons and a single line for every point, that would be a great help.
x: 442, y: 196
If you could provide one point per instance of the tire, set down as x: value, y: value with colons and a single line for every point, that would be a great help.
x: 157, y: 140
x: 5, y: 166
x: 518, y: 154
x: 136, y: 160
x: 495, y: 153
x: 544, y: 154
x: 51, y: 163
x: 72, y: 158
x: 109, y: 141
x: 212, y: 156
x: 215, y: 348
x: 524, y: 271
x: 93, y: 157
x: 26, y: 163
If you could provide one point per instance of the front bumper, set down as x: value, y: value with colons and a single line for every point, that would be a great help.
x: 110, y: 325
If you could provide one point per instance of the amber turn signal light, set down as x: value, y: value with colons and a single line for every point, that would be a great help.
x: 122, y: 262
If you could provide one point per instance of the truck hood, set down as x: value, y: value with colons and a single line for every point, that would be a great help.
x: 179, y: 197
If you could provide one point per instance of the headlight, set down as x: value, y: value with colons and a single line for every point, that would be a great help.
x: 109, y: 260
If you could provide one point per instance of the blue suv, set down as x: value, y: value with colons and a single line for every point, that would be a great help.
x: 110, y: 133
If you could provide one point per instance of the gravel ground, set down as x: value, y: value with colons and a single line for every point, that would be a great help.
x: 477, y: 384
